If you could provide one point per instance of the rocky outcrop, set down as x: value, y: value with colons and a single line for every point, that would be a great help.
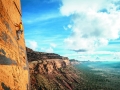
x: 74, y: 62
x: 47, y: 62
x: 13, y: 63
x: 34, y: 55
x: 51, y: 73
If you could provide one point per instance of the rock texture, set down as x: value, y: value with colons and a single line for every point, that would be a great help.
x: 51, y: 71
x: 13, y: 65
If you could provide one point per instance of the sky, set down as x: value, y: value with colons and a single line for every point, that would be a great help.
x: 78, y: 29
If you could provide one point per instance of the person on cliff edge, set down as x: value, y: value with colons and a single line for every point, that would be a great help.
x: 20, y: 30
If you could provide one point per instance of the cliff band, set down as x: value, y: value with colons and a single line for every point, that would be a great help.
x: 13, y: 65
x: 50, y: 71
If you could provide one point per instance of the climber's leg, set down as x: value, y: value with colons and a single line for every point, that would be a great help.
x: 18, y: 34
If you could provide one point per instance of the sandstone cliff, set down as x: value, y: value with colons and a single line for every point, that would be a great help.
x: 13, y: 63
x: 51, y: 71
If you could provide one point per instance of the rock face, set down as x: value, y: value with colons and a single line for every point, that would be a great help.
x: 74, y: 62
x: 50, y: 72
x: 13, y: 65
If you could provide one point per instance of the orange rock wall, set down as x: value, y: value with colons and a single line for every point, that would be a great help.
x: 67, y: 61
x: 13, y: 65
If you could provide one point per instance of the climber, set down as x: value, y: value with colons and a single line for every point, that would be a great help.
x: 20, y: 30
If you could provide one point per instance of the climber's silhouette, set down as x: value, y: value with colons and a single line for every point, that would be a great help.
x: 20, y: 30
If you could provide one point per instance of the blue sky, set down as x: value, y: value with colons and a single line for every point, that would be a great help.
x: 83, y: 30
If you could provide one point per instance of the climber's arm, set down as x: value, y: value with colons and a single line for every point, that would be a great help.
x: 16, y: 25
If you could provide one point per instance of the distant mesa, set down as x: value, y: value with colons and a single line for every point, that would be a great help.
x: 35, y: 55
x: 74, y: 61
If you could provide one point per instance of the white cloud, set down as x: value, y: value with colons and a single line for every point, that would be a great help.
x: 65, y: 28
x: 49, y: 50
x: 95, y: 22
x: 53, y: 45
x: 76, y: 6
x: 32, y: 44
x: 69, y: 26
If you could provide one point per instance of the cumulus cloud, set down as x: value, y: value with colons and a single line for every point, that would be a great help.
x: 94, y: 22
x: 32, y: 44
x: 49, y: 50
x: 69, y: 26
x: 77, y: 6
x: 53, y: 45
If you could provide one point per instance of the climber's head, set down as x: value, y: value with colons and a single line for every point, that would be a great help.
x: 20, y: 22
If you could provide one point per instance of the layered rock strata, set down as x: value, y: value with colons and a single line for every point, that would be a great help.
x: 51, y: 73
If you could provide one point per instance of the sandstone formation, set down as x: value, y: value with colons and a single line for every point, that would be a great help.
x: 51, y: 71
x: 74, y: 62
x: 13, y: 65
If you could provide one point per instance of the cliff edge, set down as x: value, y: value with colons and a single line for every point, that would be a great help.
x: 50, y: 71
